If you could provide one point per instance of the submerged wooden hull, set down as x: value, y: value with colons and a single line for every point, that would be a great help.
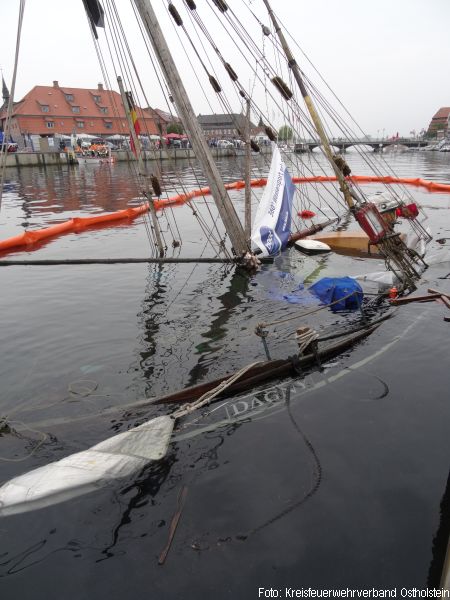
x: 274, y: 369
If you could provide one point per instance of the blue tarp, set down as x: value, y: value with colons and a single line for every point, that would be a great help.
x: 330, y: 289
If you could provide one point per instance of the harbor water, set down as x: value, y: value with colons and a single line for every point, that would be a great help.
x: 335, y: 479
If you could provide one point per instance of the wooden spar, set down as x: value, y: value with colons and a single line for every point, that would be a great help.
x: 248, y: 189
x: 431, y: 291
x: 223, y: 202
x: 344, y: 186
x: 142, y: 170
x: 300, y: 235
x: 112, y: 261
x: 409, y: 299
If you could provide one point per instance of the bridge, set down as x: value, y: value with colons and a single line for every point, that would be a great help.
x: 376, y: 145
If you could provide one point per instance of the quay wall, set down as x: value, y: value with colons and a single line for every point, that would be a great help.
x: 45, y: 159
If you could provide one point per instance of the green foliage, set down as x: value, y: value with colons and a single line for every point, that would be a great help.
x: 175, y: 128
x: 285, y: 133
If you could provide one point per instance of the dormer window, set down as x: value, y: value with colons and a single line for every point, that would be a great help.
x: 45, y: 108
x: 69, y: 97
x: 75, y: 109
x: 97, y: 98
x: 104, y: 110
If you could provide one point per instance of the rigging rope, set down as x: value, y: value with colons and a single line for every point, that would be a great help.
x: 9, y: 110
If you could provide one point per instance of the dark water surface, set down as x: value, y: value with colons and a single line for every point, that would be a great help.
x: 334, y: 480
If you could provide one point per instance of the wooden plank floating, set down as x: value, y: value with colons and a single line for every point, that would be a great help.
x: 443, y: 296
x: 408, y: 299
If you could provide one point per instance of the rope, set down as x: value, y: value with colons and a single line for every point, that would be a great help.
x: 211, y: 394
x: 9, y: 110
x: 304, y: 337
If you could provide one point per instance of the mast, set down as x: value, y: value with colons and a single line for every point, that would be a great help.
x: 399, y: 258
x: 186, y: 112
x: 248, y: 189
x: 142, y: 170
x: 344, y: 186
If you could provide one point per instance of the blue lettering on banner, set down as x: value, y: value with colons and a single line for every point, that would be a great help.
x: 270, y: 240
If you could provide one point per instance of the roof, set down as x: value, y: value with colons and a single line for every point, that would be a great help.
x: 166, y: 116
x: 442, y: 113
x: 55, y: 97
x: 223, y: 120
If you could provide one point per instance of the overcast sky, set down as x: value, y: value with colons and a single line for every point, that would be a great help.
x: 387, y: 60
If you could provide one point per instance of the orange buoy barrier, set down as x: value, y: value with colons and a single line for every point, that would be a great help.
x: 77, y: 224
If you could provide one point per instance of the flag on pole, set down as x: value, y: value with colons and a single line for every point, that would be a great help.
x: 135, y: 120
x: 272, y: 224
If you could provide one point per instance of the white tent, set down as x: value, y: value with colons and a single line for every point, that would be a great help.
x: 117, y: 137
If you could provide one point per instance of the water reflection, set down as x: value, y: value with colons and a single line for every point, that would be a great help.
x: 237, y: 293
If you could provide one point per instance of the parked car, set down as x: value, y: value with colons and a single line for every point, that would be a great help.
x: 225, y: 144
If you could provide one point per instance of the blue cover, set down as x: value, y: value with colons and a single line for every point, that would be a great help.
x: 330, y: 289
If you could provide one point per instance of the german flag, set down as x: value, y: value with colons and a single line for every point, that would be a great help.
x: 134, y: 118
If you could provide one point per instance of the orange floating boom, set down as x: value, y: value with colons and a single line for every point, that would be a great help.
x: 28, y: 238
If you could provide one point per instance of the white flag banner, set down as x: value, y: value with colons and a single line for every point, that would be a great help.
x: 272, y: 224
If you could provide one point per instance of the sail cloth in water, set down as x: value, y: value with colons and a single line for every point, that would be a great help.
x: 272, y: 225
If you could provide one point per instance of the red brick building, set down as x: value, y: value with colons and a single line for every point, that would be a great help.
x: 439, y: 123
x: 50, y: 110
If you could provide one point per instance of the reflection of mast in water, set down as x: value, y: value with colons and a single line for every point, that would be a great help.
x: 150, y: 319
x: 147, y: 486
x: 236, y: 293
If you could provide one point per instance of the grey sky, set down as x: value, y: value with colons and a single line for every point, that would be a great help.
x: 388, y: 61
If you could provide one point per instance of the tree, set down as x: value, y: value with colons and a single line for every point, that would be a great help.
x: 285, y: 133
x: 175, y: 128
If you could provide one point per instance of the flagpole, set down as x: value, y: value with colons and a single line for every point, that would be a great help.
x: 142, y: 169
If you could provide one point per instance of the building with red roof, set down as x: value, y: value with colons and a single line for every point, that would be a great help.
x: 439, y: 123
x: 50, y: 110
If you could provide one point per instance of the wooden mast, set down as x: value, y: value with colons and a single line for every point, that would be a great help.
x: 142, y: 170
x: 248, y: 189
x: 344, y: 186
x: 186, y: 112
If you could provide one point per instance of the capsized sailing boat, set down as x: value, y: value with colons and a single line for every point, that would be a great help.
x: 124, y: 454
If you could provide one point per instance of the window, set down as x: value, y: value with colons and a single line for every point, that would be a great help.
x: 108, y: 125
x: 50, y: 124
x: 80, y: 124
x: 75, y: 109
x: 97, y: 98
x: 69, y: 97
x: 103, y: 110
x: 45, y: 108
